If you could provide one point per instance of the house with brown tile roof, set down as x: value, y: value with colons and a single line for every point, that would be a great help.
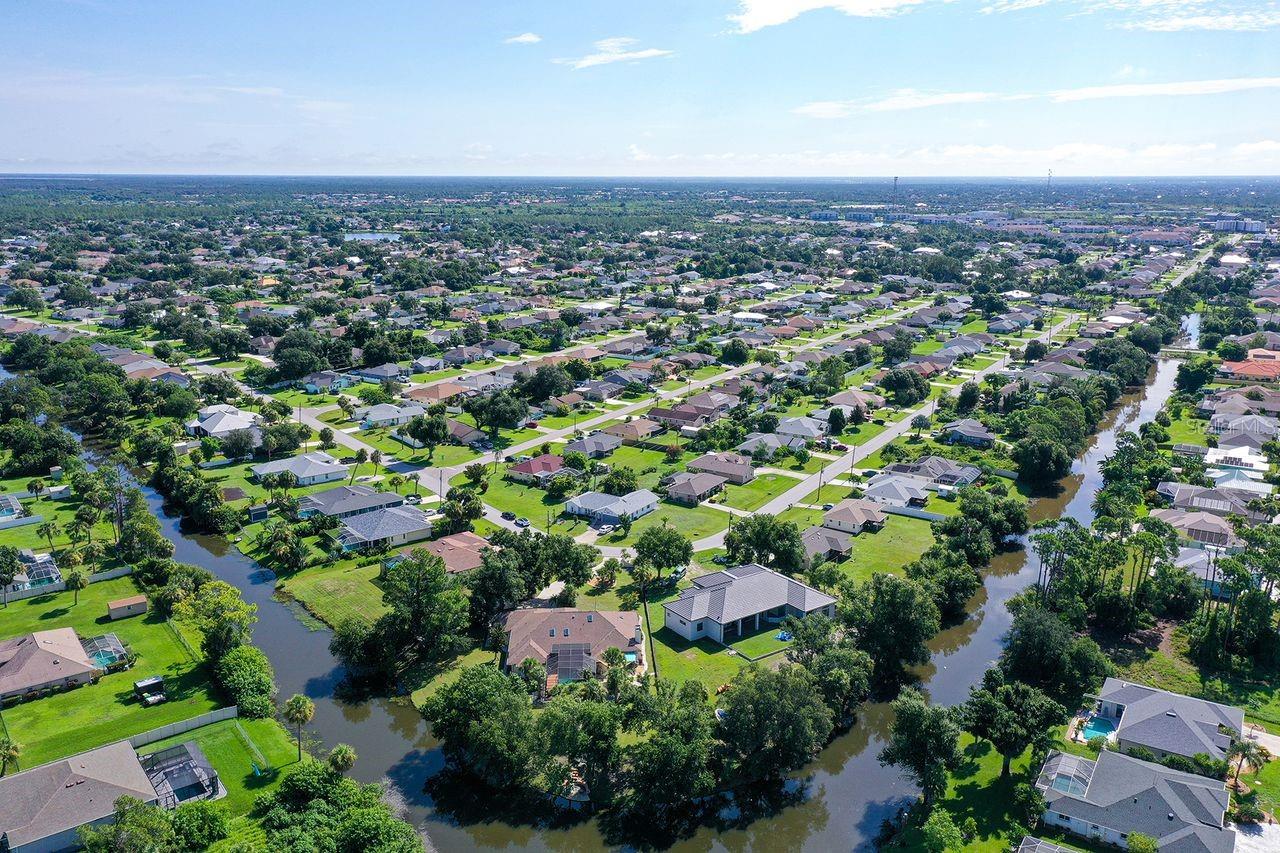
x: 44, y: 660
x: 569, y: 642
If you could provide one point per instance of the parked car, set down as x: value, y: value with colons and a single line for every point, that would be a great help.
x: 508, y: 516
x: 413, y: 499
x: 839, y: 446
x: 606, y: 528
x: 522, y: 522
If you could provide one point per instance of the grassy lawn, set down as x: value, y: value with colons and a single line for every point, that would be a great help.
x: 296, y: 397
x: 887, y: 550
x: 803, y: 517
x: 235, y: 748
x: 61, y: 513
x: 863, y: 433
x: 90, y: 716
x: 758, y: 492
x: 567, y: 421
x: 1187, y: 429
x: 449, y: 673
x: 524, y: 500
x: 332, y: 593
x: 679, y: 660
x: 695, y: 523
x: 382, y: 438
x: 437, y: 375
x: 760, y: 643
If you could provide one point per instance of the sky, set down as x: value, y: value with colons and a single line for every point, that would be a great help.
x: 718, y: 88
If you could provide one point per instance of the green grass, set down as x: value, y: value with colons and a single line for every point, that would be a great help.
x: 757, y: 493
x: 449, y: 673
x: 975, y: 790
x: 61, y: 513
x: 889, y: 549
x: 695, y: 523
x: 90, y: 716
x: 234, y: 747
x: 760, y: 643
x: 567, y: 421
x: 296, y: 397
x: 679, y: 660
x: 1188, y: 429
x: 333, y: 593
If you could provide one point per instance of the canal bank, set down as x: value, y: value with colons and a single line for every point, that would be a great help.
x: 849, y: 792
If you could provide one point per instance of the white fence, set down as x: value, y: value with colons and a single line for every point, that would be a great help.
x: 21, y: 522
x: 59, y: 586
x: 184, y: 726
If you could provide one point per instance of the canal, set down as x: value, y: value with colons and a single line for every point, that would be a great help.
x: 849, y: 793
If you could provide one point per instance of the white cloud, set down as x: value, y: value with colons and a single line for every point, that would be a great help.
x: 1256, y: 149
x: 755, y: 15
x: 912, y: 99
x: 1237, y: 22
x: 1186, y: 87
x: 614, y: 50
x: 523, y: 38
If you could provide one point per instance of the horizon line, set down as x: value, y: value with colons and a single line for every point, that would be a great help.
x: 607, y: 177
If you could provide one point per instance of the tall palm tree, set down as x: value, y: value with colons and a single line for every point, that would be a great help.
x: 342, y: 757
x: 376, y: 458
x: 76, y: 581
x: 9, y: 752
x: 1246, y: 751
x: 297, y: 712
x: 414, y: 479
x: 48, y: 530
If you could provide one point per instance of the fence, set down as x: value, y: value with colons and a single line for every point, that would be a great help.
x: 21, y: 522
x: 184, y: 726
x: 912, y: 512
x: 59, y: 586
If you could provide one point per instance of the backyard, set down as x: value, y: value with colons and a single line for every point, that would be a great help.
x: 85, y: 717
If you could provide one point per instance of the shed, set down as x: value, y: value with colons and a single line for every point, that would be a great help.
x: 123, y: 608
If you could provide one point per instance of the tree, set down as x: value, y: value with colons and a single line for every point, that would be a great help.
x: 76, y: 580
x: 1034, y: 351
x: 969, y: 396
x: 199, y: 824
x: 9, y: 565
x: 342, y: 758
x: 1140, y: 843
x: 585, y: 734
x: 223, y: 618
x: 767, y: 540
x: 920, y: 422
x: 1195, y: 373
x: 499, y: 411
x: 620, y: 481
x: 663, y: 547
x: 362, y: 456
x: 326, y: 438
x: 673, y: 764
x: 939, y: 833
x: 137, y: 828
x: 1010, y: 714
x: 47, y: 530
x: 376, y: 458
x: 475, y: 473
x: 297, y: 712
x: 836, y: 421
x: 924, y: 742
x: 893, y: 618
x: 736, y: 352
x: 1041, y: 651
x: 1246, y: 751
x: 485, y: 725
x: 9, y: 752
x: 774, y: 721
x: 238, y: 444
x: 428, y: 605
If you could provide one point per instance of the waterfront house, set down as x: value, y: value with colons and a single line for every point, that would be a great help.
x: 729, y: 604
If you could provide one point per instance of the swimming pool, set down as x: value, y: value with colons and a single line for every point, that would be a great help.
x: 1098, y: 727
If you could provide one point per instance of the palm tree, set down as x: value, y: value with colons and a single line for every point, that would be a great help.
x: 9, y: 751
x: 76, y: 581
x: 341, y: 758
x: 1246, y: 751
x: 297, y: 712
x: 362, y: 456
x: 396, y: 481
x: 376, y: 458
x: 414, y: 479
x: 35, y: 486
x: 48, y: 530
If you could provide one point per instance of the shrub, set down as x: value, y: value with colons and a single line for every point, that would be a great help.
x: 199, y: 824
x: 247, y: 676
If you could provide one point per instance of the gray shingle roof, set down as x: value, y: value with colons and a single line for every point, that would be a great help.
x: 1182, y: 811
x: 1171, y: 722
x: 744, y: 591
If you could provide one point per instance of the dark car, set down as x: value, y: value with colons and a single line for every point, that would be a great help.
x: 508, y: 516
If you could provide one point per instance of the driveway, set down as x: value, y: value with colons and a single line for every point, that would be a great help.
x: 1257, y: 837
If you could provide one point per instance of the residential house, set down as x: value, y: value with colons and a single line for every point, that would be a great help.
x: 940, y: 473
x: 1110, y: 798
x: 768, y: 445
x: 896, y: 490
x: 1202, y: 528
x: 539, y: 470
x: 1219, y: 501
x: 346, y: 501
x: 734, y: 468
x: 44, y: 660
x: 461, y: 552
x: 1168, y: 723
x: 806, y: 428
x: 570, y: 643
x: 42, y: 809
x: 222, y: 419
x: 388, y: 414
x: 308, y: 469
x: 325, y: 382
x: 637, y: 431
x: 968, y: 431
x: 691, y: 488
x: 382, y: 373
x: 688, y: 421
x: 596, y: 446
x: 600, y: 390
x: 729, y: 604
x: 383, y: 528
x: 601, y: 508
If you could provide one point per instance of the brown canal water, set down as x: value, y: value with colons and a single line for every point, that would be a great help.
x: 847, y: 792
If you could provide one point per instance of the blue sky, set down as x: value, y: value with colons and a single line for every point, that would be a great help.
x: 700, y: 87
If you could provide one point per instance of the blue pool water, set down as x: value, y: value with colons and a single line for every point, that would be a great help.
x: 1098, y: 727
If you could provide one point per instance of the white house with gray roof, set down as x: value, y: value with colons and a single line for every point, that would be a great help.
x: 1117, y: 795
x: 346, y: 501
x: 384, y: 528
x: 1168, y: 723
x: 729, y: 604
x: 308, y: 468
